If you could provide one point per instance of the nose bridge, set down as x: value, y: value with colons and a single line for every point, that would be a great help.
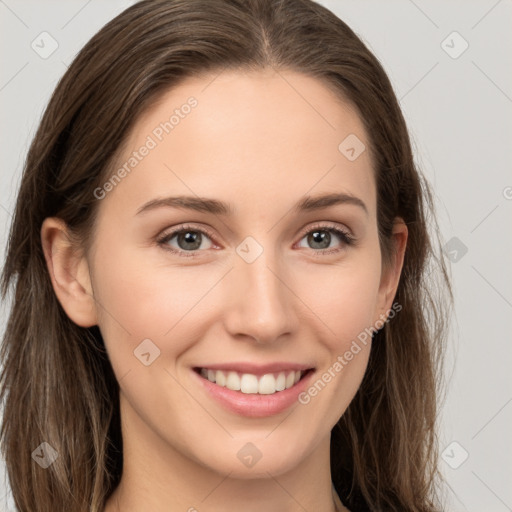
x: 261, y: 304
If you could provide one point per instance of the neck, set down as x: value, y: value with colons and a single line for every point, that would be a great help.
x: 160, y: 477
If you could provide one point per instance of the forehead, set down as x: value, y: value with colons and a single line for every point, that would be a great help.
x: 274, y: 136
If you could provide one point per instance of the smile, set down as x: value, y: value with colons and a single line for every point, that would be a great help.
x: 254, y: 391
x: 249, y: 383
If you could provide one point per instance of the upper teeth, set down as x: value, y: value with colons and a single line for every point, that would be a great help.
x: 248, y: 383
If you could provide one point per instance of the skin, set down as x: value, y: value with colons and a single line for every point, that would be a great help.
x: 261, y: 145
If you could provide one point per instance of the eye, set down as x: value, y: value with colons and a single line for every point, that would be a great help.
x: 189, y: 240
x: 320, y: 237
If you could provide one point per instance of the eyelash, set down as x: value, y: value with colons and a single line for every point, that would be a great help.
x: 162, y: 241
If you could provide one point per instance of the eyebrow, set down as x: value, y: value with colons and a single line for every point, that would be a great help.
x: 216, y: 207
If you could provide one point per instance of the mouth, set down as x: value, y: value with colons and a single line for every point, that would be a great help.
x: 251, y: 383
x: 254, y: 391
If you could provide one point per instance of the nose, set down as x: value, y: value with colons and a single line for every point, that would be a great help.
x: 260, y: 304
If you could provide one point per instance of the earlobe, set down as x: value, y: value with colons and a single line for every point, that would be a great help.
x: 69, y: 272
x: 391, y: 275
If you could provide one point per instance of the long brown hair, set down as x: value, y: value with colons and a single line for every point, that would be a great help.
x: 57, y: 383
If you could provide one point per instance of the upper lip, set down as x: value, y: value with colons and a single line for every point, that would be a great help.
x: 257, y: 369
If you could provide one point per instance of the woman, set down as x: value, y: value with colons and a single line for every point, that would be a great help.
x: 219, y: 259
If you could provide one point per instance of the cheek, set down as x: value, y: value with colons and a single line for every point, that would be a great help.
x: 344, y: 297
x: 142, y: 298
x: 345, y: 301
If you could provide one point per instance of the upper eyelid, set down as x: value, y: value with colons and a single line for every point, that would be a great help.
x: 326, y: 225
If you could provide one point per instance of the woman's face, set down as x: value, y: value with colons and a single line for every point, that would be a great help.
x: 259, y: 282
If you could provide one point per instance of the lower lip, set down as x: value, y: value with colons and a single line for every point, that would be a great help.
x: 254, y: 405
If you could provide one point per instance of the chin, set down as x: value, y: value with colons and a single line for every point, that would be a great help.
x: 245, y: 459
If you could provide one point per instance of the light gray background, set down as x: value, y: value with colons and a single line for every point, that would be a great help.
x: 459, y: 114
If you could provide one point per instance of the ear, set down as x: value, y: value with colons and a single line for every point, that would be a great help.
x: 390, y: 276
x: 69, y: 272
